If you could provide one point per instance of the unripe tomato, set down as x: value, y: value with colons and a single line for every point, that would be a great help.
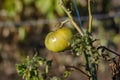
x: 58, y: 40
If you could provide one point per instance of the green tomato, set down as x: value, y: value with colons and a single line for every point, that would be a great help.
x: 58, y: 40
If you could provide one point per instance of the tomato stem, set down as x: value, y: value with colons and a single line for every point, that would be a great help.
x: 63, y: 22
x: 71, y: 18
x: 90, y: 17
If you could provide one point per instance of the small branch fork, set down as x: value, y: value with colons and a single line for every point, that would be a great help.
x: 114, y: 64
x: 71, y: 18
x: 63, y: 22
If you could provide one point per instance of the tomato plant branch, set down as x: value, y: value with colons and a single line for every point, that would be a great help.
x: 105, y: 48
x: 78, y: 70
x: 90, y: 17
x: 71, y: 18
x: 63, y: 22
x: 90, y: 66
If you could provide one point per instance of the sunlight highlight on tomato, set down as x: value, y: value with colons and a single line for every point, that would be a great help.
x: 58, y: 40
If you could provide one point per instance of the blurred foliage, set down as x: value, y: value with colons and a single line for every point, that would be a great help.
x: 12, y: 7
x: 48, y: 8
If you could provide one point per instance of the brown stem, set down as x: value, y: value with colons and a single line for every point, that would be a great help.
x: 103, y: 47
x: 78, y: 70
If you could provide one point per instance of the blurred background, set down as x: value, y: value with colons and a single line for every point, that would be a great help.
x: 25, y: 23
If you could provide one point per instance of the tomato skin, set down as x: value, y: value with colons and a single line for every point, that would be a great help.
x: 58, y: 40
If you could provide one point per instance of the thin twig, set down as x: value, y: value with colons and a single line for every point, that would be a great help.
x: 103, y: 47
x: 63, y: 22
x: 78, y: 70
x: 71, y: 18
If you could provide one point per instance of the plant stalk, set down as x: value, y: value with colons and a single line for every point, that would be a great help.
x: 71, y: 18
x: 90, y: 17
